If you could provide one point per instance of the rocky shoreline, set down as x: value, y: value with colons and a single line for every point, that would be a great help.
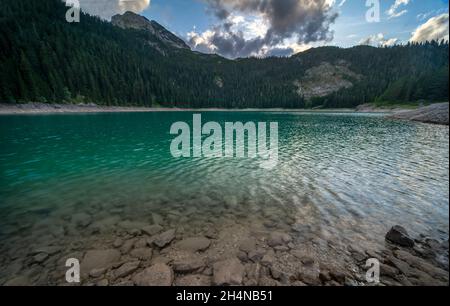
x: 151, y: 255
x: 435, y: 114
x: 47, y: 108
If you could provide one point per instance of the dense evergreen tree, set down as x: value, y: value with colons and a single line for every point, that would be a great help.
x: 44, y: 58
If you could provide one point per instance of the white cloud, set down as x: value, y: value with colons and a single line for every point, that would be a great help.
x: 435, y: 28
x: 107, y: 8
x: 394, y: 11
x: 379, y: 40
x: 258, y: 28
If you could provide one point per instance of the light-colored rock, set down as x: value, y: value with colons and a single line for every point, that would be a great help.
x: 194, y: 244
x: 228, y: 272
x: 117, y: 243
x: 156, y: 275
x: 127, y: 246
x: 435, y: 113
x: 98, y: 259
x: 187, y: 265
x: 193, y: 280
x: 247, y: 245
x: 165, y: 238
x: 18, y: 281
x: 152, y: 229
x: 126, y: 269
x: 142, y: 253
x: 102, y: 283
x: 278, y: 239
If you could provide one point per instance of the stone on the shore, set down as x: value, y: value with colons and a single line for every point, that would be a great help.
x: 98, y: 259
x: 193, y: 280
x: 165, y: 238
x: 228, y: 272
x: 398, y: 235
x: 157, y: 275
x: 278, y: 239
x: 126, y: 269
x: 194, y: 244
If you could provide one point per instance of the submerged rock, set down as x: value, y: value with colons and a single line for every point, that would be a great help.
x: 278, y: 239
x: 188, y: 265
x: 151, y: 230
x: 142, y: 253
x: 398, y: 235
x: 126, y: 269
x: 98, y: 259
x: 193, y: 280
x: 228, y: 272
x: 157, y: 275
x: 165, y: 238
x: 194, y: 244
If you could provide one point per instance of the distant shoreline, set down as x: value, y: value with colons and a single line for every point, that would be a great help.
x: 44, y: 108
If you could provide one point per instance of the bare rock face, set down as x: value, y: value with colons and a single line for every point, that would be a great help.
x: 325, y: 79
x: 130, y: 20
x: 99, y: 259
x: 157, y: 275
x: 228, y: 272
x: 399, y: 235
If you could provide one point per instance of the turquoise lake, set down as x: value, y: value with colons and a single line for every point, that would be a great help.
x: 342, y: 178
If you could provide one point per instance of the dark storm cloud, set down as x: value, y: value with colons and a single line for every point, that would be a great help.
x: 306, y: 20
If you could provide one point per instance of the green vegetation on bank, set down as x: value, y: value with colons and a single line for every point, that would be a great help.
x: 45, y: 59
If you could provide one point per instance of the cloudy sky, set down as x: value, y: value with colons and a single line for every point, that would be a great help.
x: 240, y: 28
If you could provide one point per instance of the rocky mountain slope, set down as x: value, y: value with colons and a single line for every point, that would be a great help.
x: 130, y: 20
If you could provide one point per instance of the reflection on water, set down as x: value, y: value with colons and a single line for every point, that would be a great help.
x: 341, y: 179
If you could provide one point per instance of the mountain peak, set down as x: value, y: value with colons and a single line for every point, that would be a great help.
x: 130, y: 20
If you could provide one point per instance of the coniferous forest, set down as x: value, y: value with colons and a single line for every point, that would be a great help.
x: 43, y: 58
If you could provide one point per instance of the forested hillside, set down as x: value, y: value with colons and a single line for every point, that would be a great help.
x: 45, y: 59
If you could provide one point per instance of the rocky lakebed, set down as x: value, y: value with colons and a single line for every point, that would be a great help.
x: 158, y: 253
